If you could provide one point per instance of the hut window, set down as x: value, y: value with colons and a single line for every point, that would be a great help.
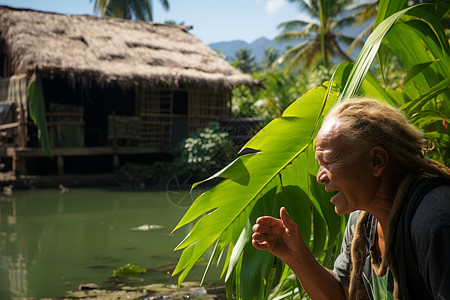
x: 180, y: 103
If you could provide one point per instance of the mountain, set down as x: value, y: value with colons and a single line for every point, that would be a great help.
x: 257, y: 47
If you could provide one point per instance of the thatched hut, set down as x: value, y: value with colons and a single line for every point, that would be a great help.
x: 102, y: 89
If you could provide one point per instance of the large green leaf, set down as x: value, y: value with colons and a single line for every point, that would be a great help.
x: 420, y: 102
x: 426, y: 118
x: 406, y: 40
x: 36, y: 107
x: 367, y: 55
x: 263, y: 168
x: 223, y: 211
x: 277, y: 168
x: 279, y: 171
x: 421, y: 44
x: 388, y: 7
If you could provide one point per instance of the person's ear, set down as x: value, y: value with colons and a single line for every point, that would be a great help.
x: 379, y: 159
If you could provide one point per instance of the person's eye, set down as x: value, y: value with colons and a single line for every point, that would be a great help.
x: 327, y: 158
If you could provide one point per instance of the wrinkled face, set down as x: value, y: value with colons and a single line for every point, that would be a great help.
x: 344, y: 169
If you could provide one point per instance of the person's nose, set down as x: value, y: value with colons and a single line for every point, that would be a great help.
x: 322, y: 177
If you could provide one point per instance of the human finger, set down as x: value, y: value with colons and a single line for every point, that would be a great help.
x: 267, y: 220
x: 262, y: 228
x: 287, y: 221
x: 258, y: 237
x: 259, y: 245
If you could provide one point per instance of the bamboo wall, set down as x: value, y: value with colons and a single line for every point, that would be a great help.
x: 157, y: 117
x: 206, y: 106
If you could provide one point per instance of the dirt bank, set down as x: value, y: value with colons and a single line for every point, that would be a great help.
x: 188, y: 290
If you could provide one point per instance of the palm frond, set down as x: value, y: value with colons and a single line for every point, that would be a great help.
x: 306, y: 6
x: 165, y: 4
x: 358, y: 41
x: 289, y: 53
x: 293, y: 25
x: 293, y: 35
x: 347, y: 40
x: 362, y: 13
x: 338, y: 50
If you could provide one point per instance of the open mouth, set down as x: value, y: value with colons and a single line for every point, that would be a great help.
x: 336, y: 193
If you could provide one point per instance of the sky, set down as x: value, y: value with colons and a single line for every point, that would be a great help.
x: 213, y: 20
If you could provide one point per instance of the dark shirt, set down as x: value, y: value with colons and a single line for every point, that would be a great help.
x: 430, y: 237
x: 430, y: 233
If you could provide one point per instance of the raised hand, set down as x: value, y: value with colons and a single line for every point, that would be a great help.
x: 281, y: 237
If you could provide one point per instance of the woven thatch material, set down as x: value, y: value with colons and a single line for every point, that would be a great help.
x: 88, y: 48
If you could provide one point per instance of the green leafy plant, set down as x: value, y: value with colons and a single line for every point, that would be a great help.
x: 278, y: 90
x: 277, y: 166
x: 198, y: 156
x: 280, y: 170
x: 129, y: 270
x: 206, y: 151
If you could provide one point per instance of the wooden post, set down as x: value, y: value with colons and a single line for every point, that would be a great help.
x: 19, y: 166
x: 22, y: 125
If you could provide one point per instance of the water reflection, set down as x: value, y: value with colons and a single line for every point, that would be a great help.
x: 51, y: 242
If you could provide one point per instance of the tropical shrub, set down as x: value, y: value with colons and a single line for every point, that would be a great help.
x: 277, y: 91
x: 277, y: 168
x: 206, y: 151
x: 198, y: 156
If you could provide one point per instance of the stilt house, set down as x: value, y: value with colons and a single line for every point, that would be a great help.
x: 81, y: 93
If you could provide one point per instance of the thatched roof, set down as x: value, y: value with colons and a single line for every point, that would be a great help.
x: 108, y: 49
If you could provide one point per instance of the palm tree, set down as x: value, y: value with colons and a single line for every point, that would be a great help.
x: 319, y: 39
x: 245, y: 61
x: 127, y: 9
x: 270, y: 55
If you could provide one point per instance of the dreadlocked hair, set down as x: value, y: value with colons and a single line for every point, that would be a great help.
x: 374, y: 123
x: 371, y: 123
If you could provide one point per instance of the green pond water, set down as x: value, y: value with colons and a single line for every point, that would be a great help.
x: 51, y: 242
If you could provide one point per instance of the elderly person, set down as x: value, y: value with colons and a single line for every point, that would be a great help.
x: 397, y: 241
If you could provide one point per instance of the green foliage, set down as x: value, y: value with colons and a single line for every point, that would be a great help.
x: 281, y: 172
x: 278, y: 90
x: 415, y: 35
x: 243, y: 104
x: 129, y: 270
x: 318, y: 40
x: 198, y: 156
x: 36, y: 107
x: 277, y: 166
x: 206, y: 151
x: 270, y: 55
x: 245, y: 61
x: 127, y: 9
